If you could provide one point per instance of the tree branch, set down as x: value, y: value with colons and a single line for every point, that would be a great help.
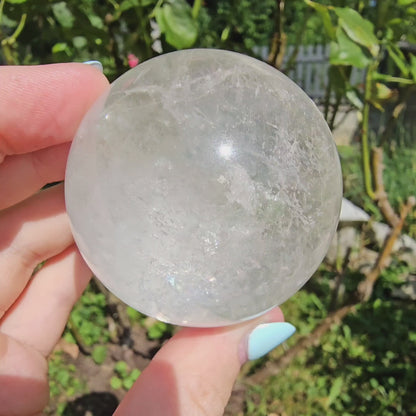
x: 278, y: 47
x: 365, y: 288
x: 274, y: 367
x: 380, y: 192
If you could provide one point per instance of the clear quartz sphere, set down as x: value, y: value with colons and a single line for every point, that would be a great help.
x: 203, y: 188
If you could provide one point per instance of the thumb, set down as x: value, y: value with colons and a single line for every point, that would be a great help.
x: 193, y: 374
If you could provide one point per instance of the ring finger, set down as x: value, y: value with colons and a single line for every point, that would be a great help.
x: 32, y: 231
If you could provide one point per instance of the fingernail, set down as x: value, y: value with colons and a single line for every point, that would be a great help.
x: 266, y: 337
x: 96, y: 64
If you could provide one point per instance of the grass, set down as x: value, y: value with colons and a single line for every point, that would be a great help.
x: 400, y: 168
x: 365, y: 365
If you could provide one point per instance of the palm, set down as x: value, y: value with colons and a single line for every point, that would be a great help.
x: 40, y: 109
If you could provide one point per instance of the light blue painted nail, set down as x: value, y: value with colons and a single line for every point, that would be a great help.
x: 266, y: 337
x: 95, y: 64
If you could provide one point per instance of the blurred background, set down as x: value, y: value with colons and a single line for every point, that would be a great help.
x: 355, y: 349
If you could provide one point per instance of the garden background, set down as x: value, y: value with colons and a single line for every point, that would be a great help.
x: 354, y: 352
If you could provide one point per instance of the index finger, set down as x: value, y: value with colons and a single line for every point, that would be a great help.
x: 42, y: 106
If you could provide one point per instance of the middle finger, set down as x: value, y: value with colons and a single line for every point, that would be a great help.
x: 23, y: 175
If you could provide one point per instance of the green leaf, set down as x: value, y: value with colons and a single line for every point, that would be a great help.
x: 335, y: 390
x: 63, y: 377
x: 129, y: 381
x: 63, y: 15
x: 16, y: 1
x: 60, y: 408
x: 146, y: 3
x: 96, y: 21
x: 411, y: 11
x: 380, y: 93
x: 135, y: 373
x: 325, y: 16
x: 388, y: 78
x: 59, y: 47
x: 413, y: 66
x: 178, y: 26
x: 126, y: 5
x: 338, y: 82
x: 374, y: 383
x: 360, y: 30
x: 399, y: 59
x: 79, y: 42
x: 116, y: 383
x: 196, y: 8
x: 395, y: 21
x: 354, y: 99
x: 347, y: 52
x: 68, y: 337
x: 7, y: 22
x: 99, y: 354
x: 160, y: 19
x: 130, y: 4
x: 121, y: 368
x: 225, y: 33
x: 405, y: 2
x: 133, y: 315
x: 157, y: 330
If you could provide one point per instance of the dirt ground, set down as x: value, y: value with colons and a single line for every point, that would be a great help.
x: 102, y: 399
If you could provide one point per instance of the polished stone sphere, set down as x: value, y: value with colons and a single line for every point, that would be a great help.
x: 203, y: 188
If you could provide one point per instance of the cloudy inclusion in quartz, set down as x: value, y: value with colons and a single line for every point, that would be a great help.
x: 203, y: 188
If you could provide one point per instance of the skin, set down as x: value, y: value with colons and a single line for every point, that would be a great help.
x: 40, y: 110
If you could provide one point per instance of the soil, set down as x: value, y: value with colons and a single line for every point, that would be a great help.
x: 102, y: 399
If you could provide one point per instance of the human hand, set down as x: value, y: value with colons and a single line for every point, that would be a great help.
x: 40, y: 110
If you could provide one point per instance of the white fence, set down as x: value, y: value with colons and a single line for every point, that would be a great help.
x: 310, y: 71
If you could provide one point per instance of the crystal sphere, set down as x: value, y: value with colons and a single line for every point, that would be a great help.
x: 203, y: 188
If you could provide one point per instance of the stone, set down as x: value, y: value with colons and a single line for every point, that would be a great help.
x: 379, y: 233
x: 352, y: 213
x: 404, y: 247
x: 203, y: 188
x: 346, y: 241
x: 408, y: 254
x: 407, y: 291
x: 346, y: 126
x: 364, y: 260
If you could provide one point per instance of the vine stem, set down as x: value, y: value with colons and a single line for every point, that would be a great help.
x: 19, y: 29
x: 196, y: 8
x: 144, y: 30
x: 278, y: 46
x: 365, y: 130
x: 2, y: 3
x: 7, y: 42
